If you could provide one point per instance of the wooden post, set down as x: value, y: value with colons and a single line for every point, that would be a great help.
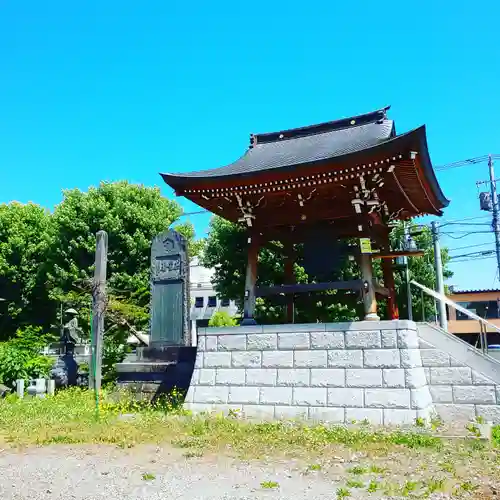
x: 250, y: 280
x: 98, y: 309
x: 392, y: 305
x: 369, y: 299
x: 289, y: 280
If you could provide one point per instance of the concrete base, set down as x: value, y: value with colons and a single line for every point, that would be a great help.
x: 384, y: 372
x: 157, y: 370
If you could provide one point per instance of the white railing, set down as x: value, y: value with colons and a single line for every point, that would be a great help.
x: 483, y: 324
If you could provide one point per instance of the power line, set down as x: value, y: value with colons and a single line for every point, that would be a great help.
x: 199, y: 212
x: 482, y: 253
x: 466, y: 224
x: 473, y: 259
x: 465, y: 219
x: 464, y: 234
x: 466, y: 163
x: 469, y: 246
x: 494, y: 279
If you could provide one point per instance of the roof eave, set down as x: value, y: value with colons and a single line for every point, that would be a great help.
x: 414, y: 139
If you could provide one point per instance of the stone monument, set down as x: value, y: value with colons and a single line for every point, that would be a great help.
x: 168, y: 360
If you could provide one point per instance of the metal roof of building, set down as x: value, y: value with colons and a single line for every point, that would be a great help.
x: 463, y: 292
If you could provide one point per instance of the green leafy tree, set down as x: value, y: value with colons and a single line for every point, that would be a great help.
x: 24, y: 242
x: 421, y: 270
x: 226, y: 251
x: 20, y: 357
x: 131, y: 215
x: 222, y: 319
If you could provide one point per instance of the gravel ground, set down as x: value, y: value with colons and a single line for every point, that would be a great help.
x: 109, y: 473
x: 105, y: 472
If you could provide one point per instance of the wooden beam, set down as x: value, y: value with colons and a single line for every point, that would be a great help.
x: 263, y: 291
x: 369, y: 299
x: 251, y: 278
x: 381, y: 290
x: 289, y: 280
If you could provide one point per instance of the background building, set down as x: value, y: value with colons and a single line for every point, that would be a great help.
x: 204, y: 300
x: 484, y: 303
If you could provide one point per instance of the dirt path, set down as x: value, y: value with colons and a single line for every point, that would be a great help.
x: 147, y: 472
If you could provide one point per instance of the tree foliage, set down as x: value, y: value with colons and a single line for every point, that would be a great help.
x: 226, y: 251
x: 48, y: 259
x: 24, y: 242
x: 222, y: 319
x: 20, y: 357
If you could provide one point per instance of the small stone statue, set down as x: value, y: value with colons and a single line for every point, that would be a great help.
x: 71, y: 332
x: 65, y: 370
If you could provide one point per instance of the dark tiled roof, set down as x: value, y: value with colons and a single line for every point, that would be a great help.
x: 463, y: 292
x: 305, y: 145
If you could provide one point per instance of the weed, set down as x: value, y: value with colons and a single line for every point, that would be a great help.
x: 409, y: 487
x: 269, y: 485
x: 343, y: 493
x: 314, y: 467
x: 436, y: 423
x: 373, y: 486
x: 447, y: 467
x: 352, y: 483
x: 391, y: 489
x: 188, y: 442
x: 420, y: 422
x: 365, y: 422
x: 193, y: 454
x: 476, y: 445
x: 376, y: 469
x: 357, y: 470
x: 434, y: 485
x: 480, y: 420
x: 468, y: 487
x: 473, y: 430
x: 147, y: 476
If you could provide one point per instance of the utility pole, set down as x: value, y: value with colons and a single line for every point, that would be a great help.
x: 438, y: 264
x: 494, y: 202
x: 406, y: 246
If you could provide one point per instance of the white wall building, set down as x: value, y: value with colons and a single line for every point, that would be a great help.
x: 204, y: 300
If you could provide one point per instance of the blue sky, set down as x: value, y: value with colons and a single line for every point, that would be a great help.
x: 114, y: 90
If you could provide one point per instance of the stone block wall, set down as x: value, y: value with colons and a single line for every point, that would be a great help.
x: 324, y: 372
x: 459, y: 392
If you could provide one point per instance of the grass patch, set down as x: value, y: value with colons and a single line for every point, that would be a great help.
x: 373, y: 486
x: 148, y: 477
x: 353, y: 483
x: 70, y: 417
x: 376, y: 469
x: 314, y: 467
x: 193, y: 454
x: 409, y: 487
x: 269, y: 485
x: 343, y: 493
x: 435, y: 485
x: 357, y: 470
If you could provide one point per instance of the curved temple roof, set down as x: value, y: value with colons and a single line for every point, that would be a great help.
x: 332, y: 145
x: 303, y: 145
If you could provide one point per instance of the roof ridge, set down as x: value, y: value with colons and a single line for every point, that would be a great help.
x: 320, y: 128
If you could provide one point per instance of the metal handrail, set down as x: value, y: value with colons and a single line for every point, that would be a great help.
x: 484, y: 325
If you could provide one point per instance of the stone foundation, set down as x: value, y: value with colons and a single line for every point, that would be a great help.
x: 157, y: 371
x: 381, y: 372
